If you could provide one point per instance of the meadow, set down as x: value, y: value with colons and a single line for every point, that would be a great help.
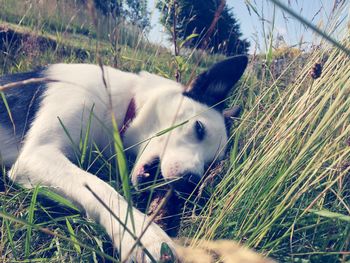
x: 284, y: 187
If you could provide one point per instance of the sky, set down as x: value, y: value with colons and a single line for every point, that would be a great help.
x: 292, y: 31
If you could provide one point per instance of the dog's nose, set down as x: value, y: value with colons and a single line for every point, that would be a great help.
x: 147, y: 174
x: 142, y: 180
x: 187, y: 182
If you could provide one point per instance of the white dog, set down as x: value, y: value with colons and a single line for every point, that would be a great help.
x: 35, y: 145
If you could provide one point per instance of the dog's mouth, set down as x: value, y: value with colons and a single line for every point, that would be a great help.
x: 150, y: 176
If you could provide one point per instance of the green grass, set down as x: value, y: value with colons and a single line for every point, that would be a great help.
x: 284, y: 189
x: 287, y: 190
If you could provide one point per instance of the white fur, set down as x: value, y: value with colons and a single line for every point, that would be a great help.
x: 43, y: 158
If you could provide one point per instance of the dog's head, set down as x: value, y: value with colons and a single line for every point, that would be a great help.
x: 181, y: 130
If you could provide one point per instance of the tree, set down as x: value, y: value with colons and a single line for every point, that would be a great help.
x: 138, y: 14
x: 112, y: 7
x: 196, y: 17
x: 133, y: 11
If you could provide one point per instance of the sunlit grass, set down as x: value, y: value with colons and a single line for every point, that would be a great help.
x: 286, y: 191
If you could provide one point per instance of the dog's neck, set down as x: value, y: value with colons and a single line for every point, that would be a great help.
x: 129, y: 117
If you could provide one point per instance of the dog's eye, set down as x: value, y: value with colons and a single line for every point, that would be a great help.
x: 200, y: 130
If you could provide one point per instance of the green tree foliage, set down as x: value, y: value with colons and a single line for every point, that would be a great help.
x: 112, y: 7
x: 138, y: 14
x: 194, y: 16
x: 133, y: 11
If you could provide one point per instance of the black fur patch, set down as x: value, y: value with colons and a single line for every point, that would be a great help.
x: 213, y: 86
x: 23, y: 101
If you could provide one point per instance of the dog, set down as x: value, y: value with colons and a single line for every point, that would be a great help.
x: 181, y: 129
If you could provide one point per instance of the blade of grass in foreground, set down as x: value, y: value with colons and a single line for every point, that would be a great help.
x: 84, y: 147
x: 57, y: 198
x: 30, y: 221
x: 10, y: 238
x: 123, y: 170
x: 329, y: 214
x: 73, y: 237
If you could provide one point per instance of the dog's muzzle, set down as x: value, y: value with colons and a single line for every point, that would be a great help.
x: 150, y: 175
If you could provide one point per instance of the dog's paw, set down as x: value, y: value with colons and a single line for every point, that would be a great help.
x: 162, y: 253
x: 156, y: 246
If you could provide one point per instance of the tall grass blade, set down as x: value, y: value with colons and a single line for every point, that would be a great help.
x: 10, y: 238
x: 86, y: 137
x: 73, y: 237
x: 269, y: 53
x: 57, y: 198
x: 123, y: 170
x: 329, y: 214
x: 30, y: 219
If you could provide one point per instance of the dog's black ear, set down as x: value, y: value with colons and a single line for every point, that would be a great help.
x: 213, y: 85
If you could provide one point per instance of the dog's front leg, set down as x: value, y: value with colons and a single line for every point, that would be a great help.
x: 48, y: 166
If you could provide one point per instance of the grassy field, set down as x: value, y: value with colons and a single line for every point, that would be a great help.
x: 284, y: 188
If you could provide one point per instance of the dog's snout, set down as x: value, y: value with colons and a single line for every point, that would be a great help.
x: 152, y: 167
x: 147, y: 174
x: 142, y: 179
